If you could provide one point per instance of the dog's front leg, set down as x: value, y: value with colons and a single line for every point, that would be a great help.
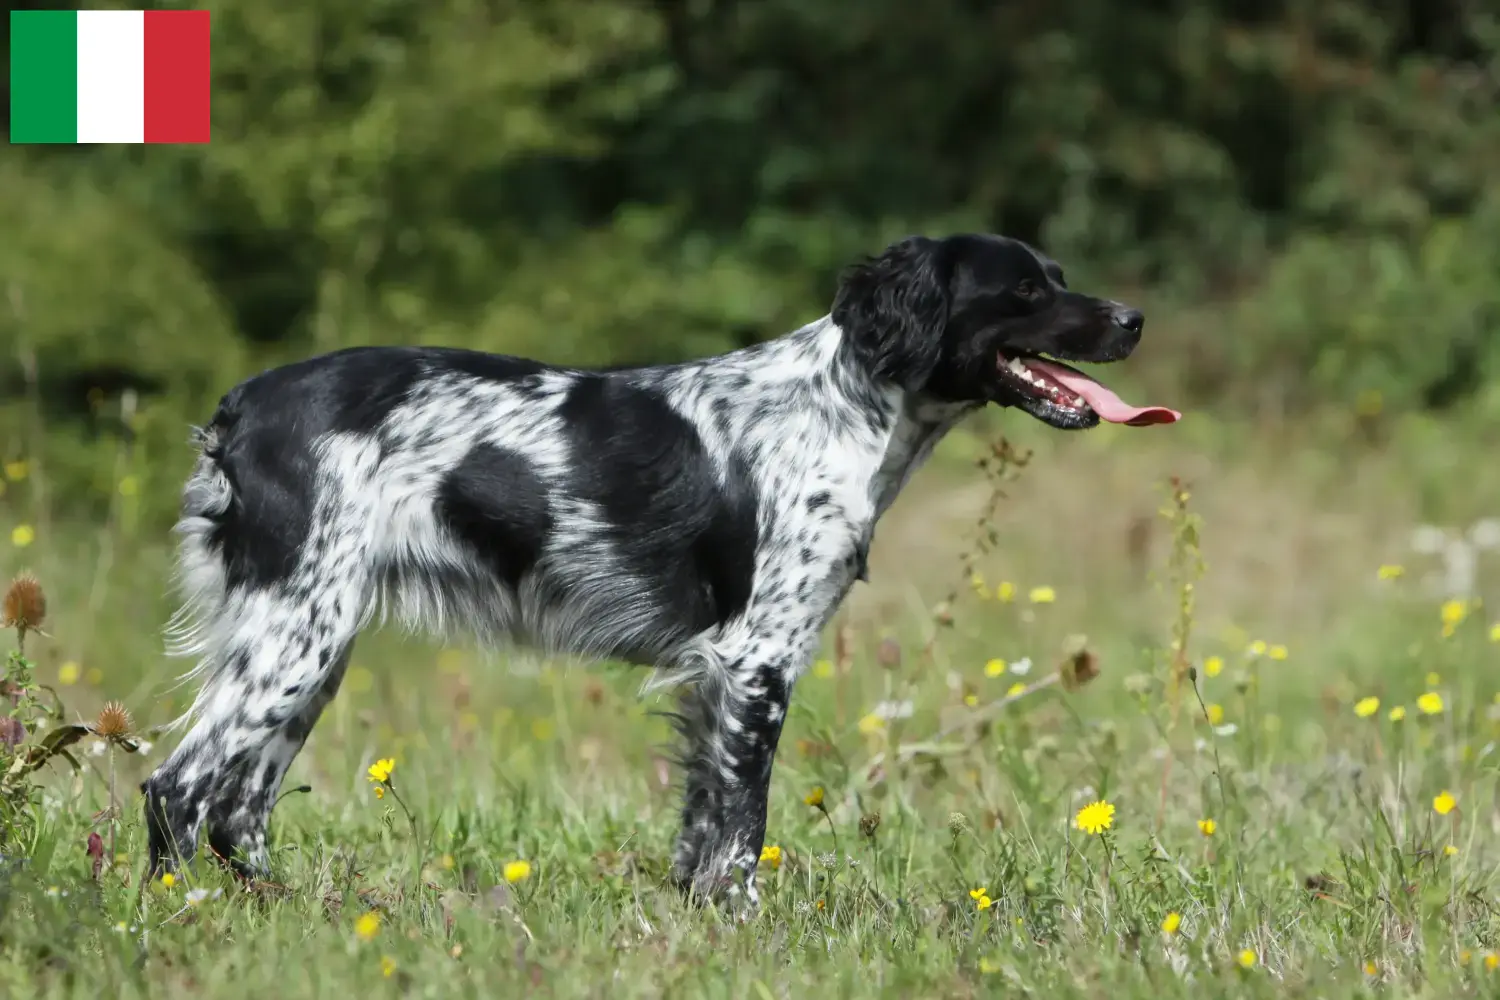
x: 731, y: 723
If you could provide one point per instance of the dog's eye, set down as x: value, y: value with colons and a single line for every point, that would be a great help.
x: 1027, y: 289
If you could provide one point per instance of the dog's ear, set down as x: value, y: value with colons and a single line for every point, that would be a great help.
x: 893, y: 308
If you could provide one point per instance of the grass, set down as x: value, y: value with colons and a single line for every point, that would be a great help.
x: 1329, y: 871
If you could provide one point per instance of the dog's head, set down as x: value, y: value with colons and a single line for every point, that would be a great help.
x: 975, y: 319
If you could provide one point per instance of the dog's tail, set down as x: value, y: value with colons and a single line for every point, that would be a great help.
x: 202, y: 577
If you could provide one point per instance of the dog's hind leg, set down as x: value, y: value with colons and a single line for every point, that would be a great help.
x: 274, y: 667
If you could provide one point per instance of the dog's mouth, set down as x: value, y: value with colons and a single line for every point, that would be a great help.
x: 1065, y: 397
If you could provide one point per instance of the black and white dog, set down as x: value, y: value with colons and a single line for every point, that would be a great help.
x: 705, y: 519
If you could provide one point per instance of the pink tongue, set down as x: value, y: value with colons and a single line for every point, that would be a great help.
x: 1101, y: 400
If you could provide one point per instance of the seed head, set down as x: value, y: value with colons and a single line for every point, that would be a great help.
x: 113, y: 722
x: 868, y: 824
x: 25, y: 604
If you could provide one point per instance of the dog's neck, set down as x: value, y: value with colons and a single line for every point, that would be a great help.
x: 891, y: 431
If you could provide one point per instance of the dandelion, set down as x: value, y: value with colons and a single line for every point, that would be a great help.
x: 1215, y: 714
x: 1258, y: 648
x: 814, y: 798
x: 1366, y: 707
x: 1491, y: 961
x: 1430, y: 703
x: 1453, y: 614
x: 68, y: 674
x: 1005, y: 592
x: 22, y: 535
x: 994, y: 668
x: 1094, y: 818
x: 1015, y: 690
x: 113, y: 722
x: 168, y: 879
x: 1397, y: 714
x: 1390, y: 571
x: 1277, y: 653
x: 771, y: 855
x: 1207, y: 827
x: 1213, y: 666
x: 1171, y: 923
x: 367, y: 926
x: 1444, y: 803
x: 1247, y: 959
x: 517, y: 871
x: 871, y: 724
x: 1449, y: 850
x: 387, y: 966
x: 380, y: 771
x: 1042, y: 595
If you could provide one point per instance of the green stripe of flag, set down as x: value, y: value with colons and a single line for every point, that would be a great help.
x: 43, y: 76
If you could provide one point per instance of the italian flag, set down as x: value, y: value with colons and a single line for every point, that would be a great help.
x: 108, y: 76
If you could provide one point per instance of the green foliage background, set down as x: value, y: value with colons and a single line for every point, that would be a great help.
x: 591, y: 181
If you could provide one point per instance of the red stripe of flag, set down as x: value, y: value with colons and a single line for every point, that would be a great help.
x: 177, y: 76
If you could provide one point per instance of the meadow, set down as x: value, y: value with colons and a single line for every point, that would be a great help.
x: 1122, y: 713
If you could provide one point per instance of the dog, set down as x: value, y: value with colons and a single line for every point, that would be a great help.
x: 705, y: 519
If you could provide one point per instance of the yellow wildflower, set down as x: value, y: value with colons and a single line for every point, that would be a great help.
x: 1433, y: 680
x: 988, y: 968
x: 814, y: 798
x: 542, y: 730
x: 1247, y: 959
x: 68, y: 674
x: 1491, y: 961
x: 1371, y: 968
x: 1207, y: 827
x: 1445, y: 803
x: 771, y: 855
x: 1454, y: 612
x: 1215, y: 714
x: 977, y: 893
x: 1366, y: 707
x: 1015, y: 689
x: 380, y: 791
x: 1397, y: 714
x: 823, y: 669
x: 129, y: 486
x: 22, y: 536
x: 387, y: 966
x: 168, y: 879
x: 1390, y: 571
x: 15, y: 471
x: 1258, y: 648
x: 1430, y: 703
x: 983, y: 903
x: 1042, y: 595
x: 1005, y: 592
x: 1213, y: 666
x: 367, y: 926
x: 1277, y: 652
x: 871, y: 724
x: 1495, y: 632
x: 994, y: 668
x: 1095, y: 818
x: 1449, y: 850
x: 380, y: 771
x: 1171, y: 923
x: 517, y: 871
x: 972, y: 700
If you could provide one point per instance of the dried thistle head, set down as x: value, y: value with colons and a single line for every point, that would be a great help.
x: 869, y: 823
x: 25, y: 604
x: 114, y: 722
x: 1079, y: 665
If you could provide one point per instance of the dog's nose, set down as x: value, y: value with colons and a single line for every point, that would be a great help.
x: 1130, y: 319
